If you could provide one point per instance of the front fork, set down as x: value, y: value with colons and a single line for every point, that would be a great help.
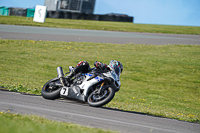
x: 101, y: 87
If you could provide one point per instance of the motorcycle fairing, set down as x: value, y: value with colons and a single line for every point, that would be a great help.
x: 74, y: 91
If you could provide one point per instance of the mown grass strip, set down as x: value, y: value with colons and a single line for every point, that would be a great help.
x: 15, y: 123
x: 162, y: 80
x: 101, y: 25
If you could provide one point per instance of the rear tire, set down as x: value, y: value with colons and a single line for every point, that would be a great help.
x: 93, y: 101
x: 51, y: 94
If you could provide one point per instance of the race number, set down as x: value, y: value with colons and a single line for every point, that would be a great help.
x: 64, y: 91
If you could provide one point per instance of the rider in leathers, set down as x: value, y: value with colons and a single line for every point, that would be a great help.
x: 83, y: 67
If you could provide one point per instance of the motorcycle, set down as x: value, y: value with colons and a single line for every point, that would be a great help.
x: 96, y: 87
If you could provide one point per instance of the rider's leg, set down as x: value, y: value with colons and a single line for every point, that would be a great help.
x: 82, y: 66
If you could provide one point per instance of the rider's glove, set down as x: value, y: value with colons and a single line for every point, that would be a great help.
x: 100, y: 65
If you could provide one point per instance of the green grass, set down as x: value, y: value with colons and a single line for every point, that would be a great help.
x: 15, y: 123
x: 101, y: 25
x: 161, y: 80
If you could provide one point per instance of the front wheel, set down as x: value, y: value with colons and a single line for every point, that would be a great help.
x: 97, y: 100
x: 51, y: 90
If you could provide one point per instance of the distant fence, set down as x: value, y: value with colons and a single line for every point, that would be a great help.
x: 65, y: 15
x: 84, y: 16
x: 17, y: 12
x: 4, y: 11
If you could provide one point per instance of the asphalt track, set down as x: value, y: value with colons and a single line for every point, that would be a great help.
x: 75, y: 35
x: 80, y: 113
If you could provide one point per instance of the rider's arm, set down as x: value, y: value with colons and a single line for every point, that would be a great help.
x: 100, y: 65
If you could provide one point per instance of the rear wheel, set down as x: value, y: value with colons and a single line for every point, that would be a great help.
x: 50, y: 90
x: 97, y: 100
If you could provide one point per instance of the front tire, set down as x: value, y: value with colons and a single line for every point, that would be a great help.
x: 96, y: 100
x: 51, y: 92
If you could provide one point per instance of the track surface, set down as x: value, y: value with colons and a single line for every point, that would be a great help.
x: 58, y: 34
x: 80, y: 113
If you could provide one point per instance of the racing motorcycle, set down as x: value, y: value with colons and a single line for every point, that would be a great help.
x: 96, y: 87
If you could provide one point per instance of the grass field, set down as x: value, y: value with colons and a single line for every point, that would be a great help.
x: 101, y: 25
x: 161, y: 80
x: 15, y: 123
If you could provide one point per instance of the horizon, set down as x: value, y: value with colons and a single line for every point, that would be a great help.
x: 157, y: 12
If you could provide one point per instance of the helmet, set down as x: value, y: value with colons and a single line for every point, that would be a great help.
x: 117, y: 66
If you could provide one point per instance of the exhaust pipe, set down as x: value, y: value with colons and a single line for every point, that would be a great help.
x: 60, y: 72
x: 61, y: 75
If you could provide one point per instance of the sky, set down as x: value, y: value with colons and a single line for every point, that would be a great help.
x: 163, y: 12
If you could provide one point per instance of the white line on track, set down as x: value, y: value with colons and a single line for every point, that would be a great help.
x: 87, y: 116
